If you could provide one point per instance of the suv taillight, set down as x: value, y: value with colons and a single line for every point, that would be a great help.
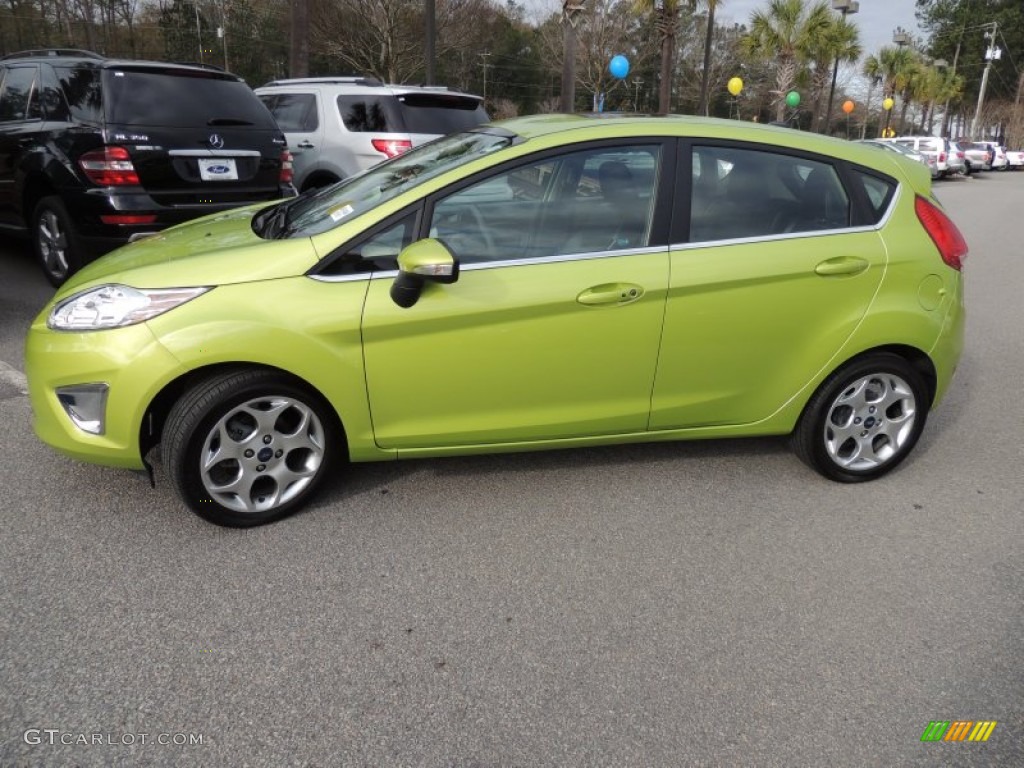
x: 942, y: 157
x: 943, y: 232
x: 391, y: 147
x: 109, y: 167
x: 287, y: 171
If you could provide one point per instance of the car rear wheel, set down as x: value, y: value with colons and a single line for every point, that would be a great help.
x: 248, y: 447
x: 55, y: 240
x: 863, y: 420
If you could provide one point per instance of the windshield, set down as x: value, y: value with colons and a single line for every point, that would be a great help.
x: 324, y: 209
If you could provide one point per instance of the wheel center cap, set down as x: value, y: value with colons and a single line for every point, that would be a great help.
x: 264, y: 454
x: 869, y: 422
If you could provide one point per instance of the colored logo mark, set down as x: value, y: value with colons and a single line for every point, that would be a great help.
x: 958, y: 730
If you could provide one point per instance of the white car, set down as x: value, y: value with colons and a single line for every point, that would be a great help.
x: 999, y: 161
x: 929, y: 146
x: 1015, y: 158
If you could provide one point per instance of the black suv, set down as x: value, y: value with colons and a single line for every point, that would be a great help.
x: 96, y: 152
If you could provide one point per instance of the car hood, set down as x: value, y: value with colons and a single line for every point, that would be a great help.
x: 219, y: 249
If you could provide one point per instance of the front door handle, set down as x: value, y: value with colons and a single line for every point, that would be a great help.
x: 610, y: 294
x: 305, y: 144
x: 842, y: 265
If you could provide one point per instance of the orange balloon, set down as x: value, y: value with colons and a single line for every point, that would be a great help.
x: 848, y: 106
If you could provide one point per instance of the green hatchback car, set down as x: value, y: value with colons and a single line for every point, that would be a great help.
x: 545, y: 282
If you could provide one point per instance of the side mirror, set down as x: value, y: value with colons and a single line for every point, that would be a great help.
x: 424, y: 261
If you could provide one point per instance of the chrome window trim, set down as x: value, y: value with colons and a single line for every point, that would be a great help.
x: 214, y: 153
x: 350, y: 278
x: 763, y: 238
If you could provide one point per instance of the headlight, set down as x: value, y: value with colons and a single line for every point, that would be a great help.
x: 114, y: 306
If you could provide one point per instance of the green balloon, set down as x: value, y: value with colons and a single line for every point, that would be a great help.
x: 793, y: 99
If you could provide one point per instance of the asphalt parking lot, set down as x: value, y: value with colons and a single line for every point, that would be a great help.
x: 711, y: 603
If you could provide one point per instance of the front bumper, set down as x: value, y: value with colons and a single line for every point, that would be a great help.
x: 130, y: 361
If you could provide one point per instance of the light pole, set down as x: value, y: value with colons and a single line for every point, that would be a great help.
x: 845, y: 7
x: 992, y: 53
x: 637, y: 82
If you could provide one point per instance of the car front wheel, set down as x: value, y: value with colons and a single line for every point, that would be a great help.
x: 248, y: 447
x: 55, y: 240
x: 863, y: 420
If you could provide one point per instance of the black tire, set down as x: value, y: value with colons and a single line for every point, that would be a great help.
x: 864, y: 419
x: 247, y: 416
x: 55, y: 240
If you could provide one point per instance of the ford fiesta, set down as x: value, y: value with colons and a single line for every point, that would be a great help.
x: 546, y: 282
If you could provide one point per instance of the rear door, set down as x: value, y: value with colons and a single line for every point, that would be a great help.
x: 773, y: 281
x: 196, y: 137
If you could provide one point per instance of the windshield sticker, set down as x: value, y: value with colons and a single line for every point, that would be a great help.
x: 341, y: 211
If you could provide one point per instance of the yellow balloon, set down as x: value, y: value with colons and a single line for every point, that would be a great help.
x: 887, y: 104
x: 735, y: 86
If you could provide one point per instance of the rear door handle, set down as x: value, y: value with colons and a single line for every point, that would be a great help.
x: 842, y: 265
x: 610, y: 294
x: 305, y: 144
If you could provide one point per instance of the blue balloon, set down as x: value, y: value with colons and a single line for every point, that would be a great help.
x: 619, y: 66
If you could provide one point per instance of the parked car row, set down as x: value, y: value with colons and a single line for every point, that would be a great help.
x: 946, y: 157
x: 98, y: 152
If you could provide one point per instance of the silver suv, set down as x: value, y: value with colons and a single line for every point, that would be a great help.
x: 339, y: 126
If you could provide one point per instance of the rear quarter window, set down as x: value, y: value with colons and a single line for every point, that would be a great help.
x: 83, y: 91
x: 878, y: 191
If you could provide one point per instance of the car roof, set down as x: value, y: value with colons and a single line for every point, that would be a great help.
x: 361, y: 83
x: 67, y: 56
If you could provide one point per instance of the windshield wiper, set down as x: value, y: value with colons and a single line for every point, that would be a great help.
x: 273, y: 222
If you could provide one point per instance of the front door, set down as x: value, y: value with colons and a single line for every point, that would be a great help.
x: 551, y: 330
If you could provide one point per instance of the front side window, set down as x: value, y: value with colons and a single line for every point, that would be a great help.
x: 587, y: 201
x: 740, y: 193
x: 375, y: 252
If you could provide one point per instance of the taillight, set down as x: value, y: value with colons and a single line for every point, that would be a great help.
x: 287, y: 171
x: 943, y: 232
x: 127, y: 219
x: 109, y: 167
x: 942, y: 157
x: 391, y: 147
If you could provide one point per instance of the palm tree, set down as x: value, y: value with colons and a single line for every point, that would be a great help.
x: 896, y: 66
x: 666, y: 21
x: 784, y: 33
x: 837, y: 43
x: 871, y: 69
x: 712, y: 6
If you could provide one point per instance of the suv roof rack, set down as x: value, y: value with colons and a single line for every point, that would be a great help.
x: 34, y: 52
x: 351, y: 80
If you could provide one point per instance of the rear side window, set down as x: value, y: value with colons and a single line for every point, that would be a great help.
x: 181, y: 98
x: 878, y: 192
x: 739, y: 193
x: 294, y: 112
